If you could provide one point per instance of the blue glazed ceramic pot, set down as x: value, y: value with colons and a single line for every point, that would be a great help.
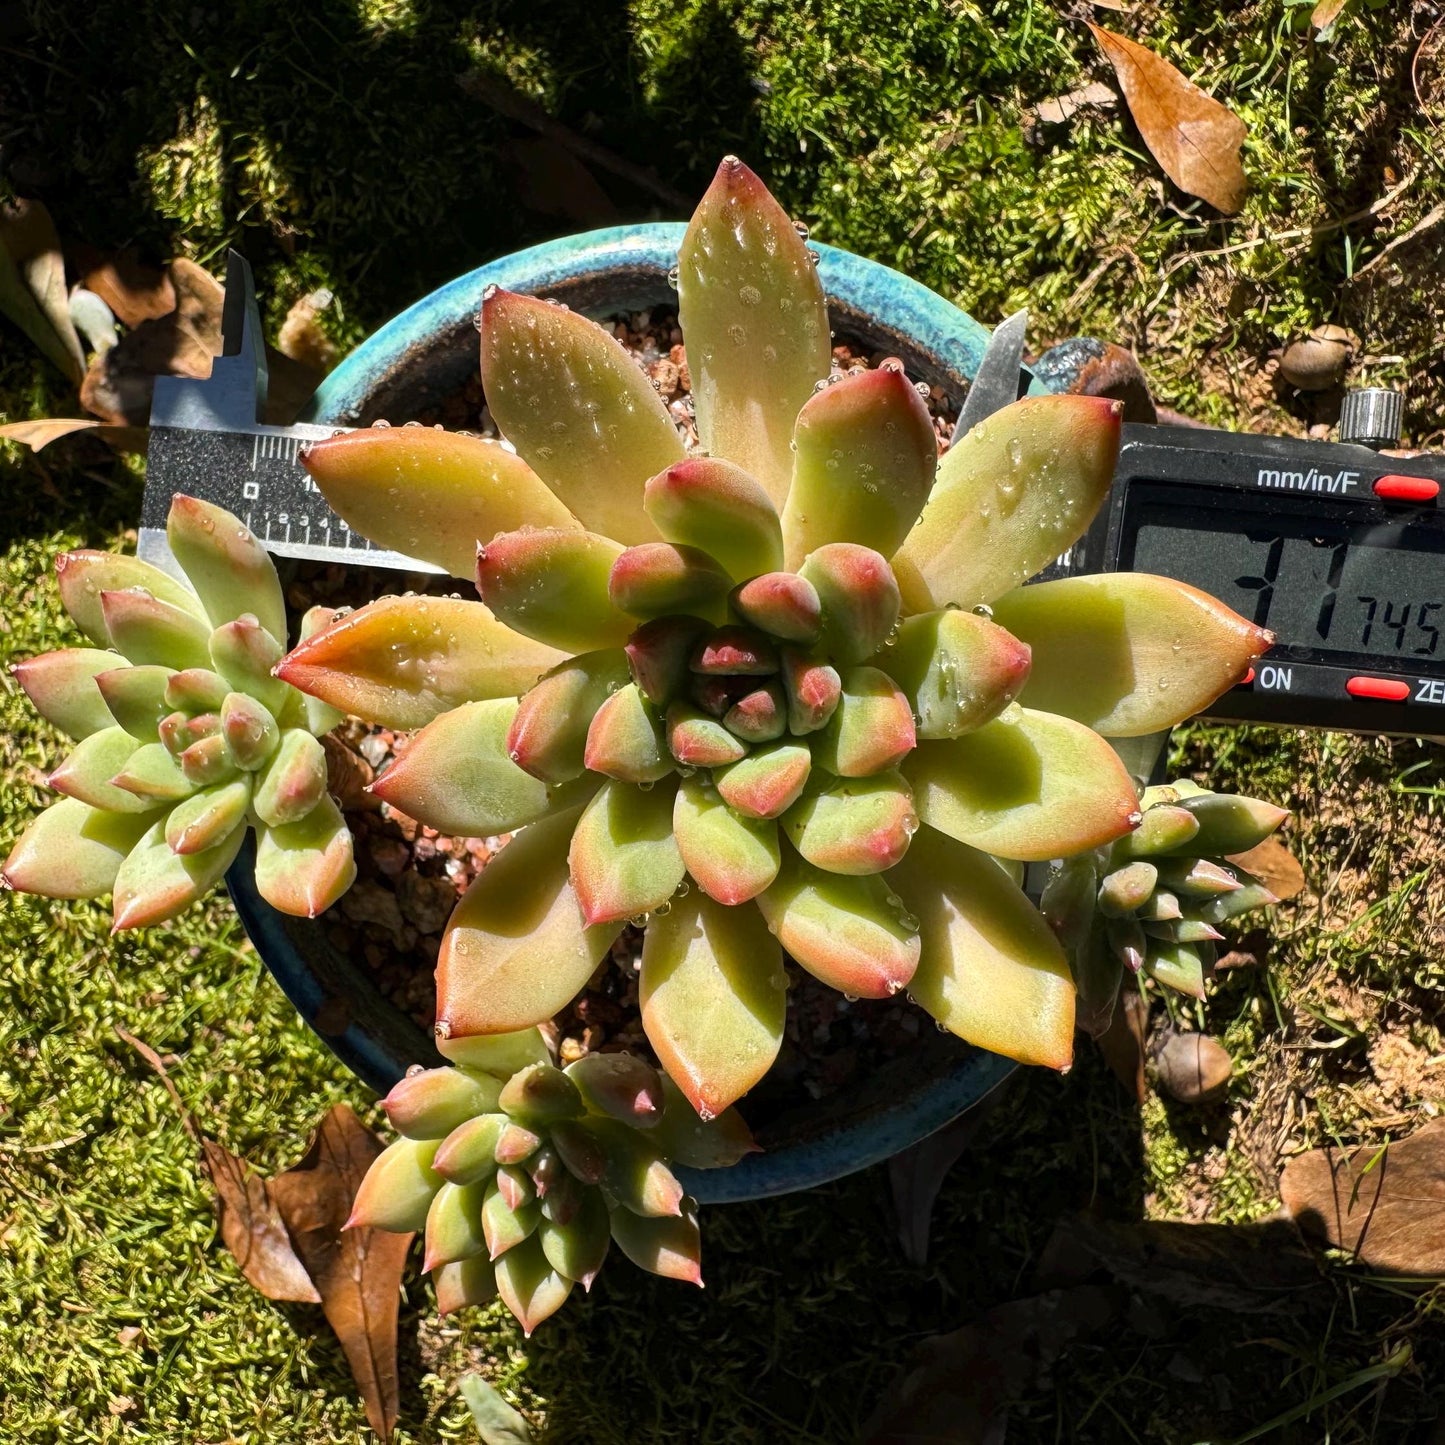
x: 422, y: 356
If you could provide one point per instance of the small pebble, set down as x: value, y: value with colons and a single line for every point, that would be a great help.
x: 1194, y: 1068
x: 1318, y: 361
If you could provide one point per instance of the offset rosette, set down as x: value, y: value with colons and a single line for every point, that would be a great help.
x: 1153, y: 903
x: 521, y: 1175
x: 184, y: 736
x: 787, y: 694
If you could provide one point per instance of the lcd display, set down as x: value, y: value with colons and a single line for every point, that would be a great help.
x: 1324, y: 585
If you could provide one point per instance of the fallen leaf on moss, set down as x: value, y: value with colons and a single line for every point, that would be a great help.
x: 496, y: 1421
x: 133, y: 290
x: 1059, y: 108
x: 1275, y: 866
x: 40, y: 433
x: 1122, y: 1043
x: 32, y: 284
x: 1326, y: 12
x: 1385, y: 1204
x: 358, y: 1273
x: 1194, y: 138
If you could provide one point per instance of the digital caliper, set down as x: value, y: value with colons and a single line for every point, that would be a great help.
x: 1336, y: 548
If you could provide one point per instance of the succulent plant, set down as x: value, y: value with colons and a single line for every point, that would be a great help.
x: 521, y: 1174
x: 1154, y: 900
x: 184, y: 738
x: 786, y: 693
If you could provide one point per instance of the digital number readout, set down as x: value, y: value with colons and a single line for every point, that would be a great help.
x: 1325, y: 586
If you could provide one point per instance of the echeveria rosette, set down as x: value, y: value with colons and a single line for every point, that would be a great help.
x: 1153, y: 902
x: 521, y: 1175
x: 764, y: 705
x: 184, y: 738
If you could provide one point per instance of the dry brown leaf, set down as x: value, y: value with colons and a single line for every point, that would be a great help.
x: 1122, y: 1043
x: 1194, y: 138
x: 1061, y: 107
x: 302, y: 337
x: 1385, y: 1205
x: 252, y: 1229
x: 357, y: 1272
x: 134, y: 291
x: 1326, y: 12
x: 40, y: 433
x: 1275, y: 866
x: 1124, y: 7
x: 32, y: 284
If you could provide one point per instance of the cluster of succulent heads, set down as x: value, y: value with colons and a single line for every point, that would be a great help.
x: 784, y: 694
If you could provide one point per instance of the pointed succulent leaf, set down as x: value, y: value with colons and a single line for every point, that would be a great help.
x: 623, y: 857
x: 563, y: 1199
x: 782, y: 604
x: 315, y: 716
x: 146, y: 629
x: 293, y: 782
x: 432, y: 1103
x: 576, y: 1249
x: 468, y: 1155
x: 713, y: 995
x: 546, y: 1171
x: 250, y: 731
x: 863, y: 463
x: 852, y: 933
x: 73, y: 850
x: 1028, y: 785
x: 84, y: 576
x: 208, y: 817
x: 580, y: 1151
x: 505, y: 1227
x: 548, y: 734
x: 1164, y: 828
x: 957, y: 669
x: 658, y: 653
x: 398, y: 1189
x: 625, y: 739
x: 698, y: 741
x: 759, y: 716
x: 62, y: 687
x: 467, y: 1282
x: 1183, y: 930
x: 530, y: 1288
x: 767, y: 782
x: 195, y: 690
x: 655, y: 579
x: 1127, y: 888
x: 695, y: 1143
x: 1129, y: 942
x: 401, y: 661
x: 814, y: 690
x: 1228, y: 905
x: 208, y: 761
x: 500, y: 1054
x: 155, y: 884
x: 430, y: 494
x: 551, y: 586
x: 578, y: 408
x: 717, y: 508
x: 1070, y: 900
x: 637, y: 1176
x: 230, y: 570
x: 1098, y: 969
x: 153, y: 776
x: 87, y: 773
x: 1128, y: 653
x: 1161, y: 906
x: 870, y: 730
x: 621, y: 1086
x: 540, y: 1094
x: 1180, y: 965
x: 1197, y: 878
x: 302, y: 868
x: 859, y: 597
x: 735, y: 652
x: 1230, y: 824
x: 455, y: 775
x: 136, y: 698
x: 1019, y: 490
x: 517, y: 949
x: 514, y: 1184
x: 853, y: 825
x: 670, y: 1247
x: 756, y: 322
x: 454, y: 1225
x: 246, y: 654
x: 731, y: 857
x: 990, y: 969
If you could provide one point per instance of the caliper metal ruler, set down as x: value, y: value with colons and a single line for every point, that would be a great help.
x: 1336, y: 548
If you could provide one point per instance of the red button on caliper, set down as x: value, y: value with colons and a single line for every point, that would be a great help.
x: 1407, y: 489
x: 1384, y: 688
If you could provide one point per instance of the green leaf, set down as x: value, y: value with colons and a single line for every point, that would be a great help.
x: 859, y: 597
x: 870, y: 730
x: 1029, y: 785
x: 208, y: 817
x: 625, y: 739
x: 32, y: 284
x: 578, y: 408
x: 84, y: 576
x: 231, y: 571
x: 430, y: 494
x: 87, y: 773
x: 530, y: 1288
x: 496, y: 1421
x: 655, y: 579
x: 553, y: 586
x: 61, y: 687
x: 623, y: 858
x: 398, y: 1189
x: 548, y: 736
x: 73, y: 850
x: 756, y: 322
x: 146, y: 629
x: 732, y: 858
x: 454, y: 1224
x: 302, y: 868
x: 136, y: 697
x: 767, y: 782
x: 1015, y: 493
x: 717, y: 508
x: 293, y: 782
x: 669, y: 1247
x: 154, y: 884
x: 853, y: 825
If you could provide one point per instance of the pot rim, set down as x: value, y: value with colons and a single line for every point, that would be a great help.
x: 855, y: 287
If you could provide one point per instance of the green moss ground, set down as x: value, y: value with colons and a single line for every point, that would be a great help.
x: 332, y: 142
